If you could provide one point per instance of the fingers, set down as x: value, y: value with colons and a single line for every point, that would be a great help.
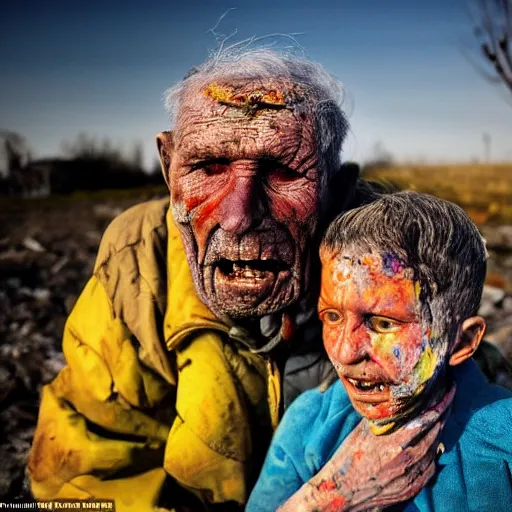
x: 414, y: 453
x: 411, y: 457
x: 410, y: 433
x: 408, y: 485
x: 404, y: 487
x: 402, y: 469
x: 432, y: 414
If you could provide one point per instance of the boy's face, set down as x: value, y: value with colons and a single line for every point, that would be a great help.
x: 373, y: 332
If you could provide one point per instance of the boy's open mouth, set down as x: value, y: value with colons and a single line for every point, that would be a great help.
x: 367, y: 386
x: 367, y: 390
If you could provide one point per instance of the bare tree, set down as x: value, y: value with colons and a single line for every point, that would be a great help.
x: 89, y: 148
x: 15, y: 152
x: 138, y: 155
x: 492, y: 27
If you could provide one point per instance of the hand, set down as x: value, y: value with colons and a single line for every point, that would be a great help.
x: 370, y: 472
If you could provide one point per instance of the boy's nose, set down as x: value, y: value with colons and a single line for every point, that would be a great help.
x: 353, y: 342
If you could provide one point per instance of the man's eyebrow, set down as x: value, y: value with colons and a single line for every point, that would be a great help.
x: 197, y: 154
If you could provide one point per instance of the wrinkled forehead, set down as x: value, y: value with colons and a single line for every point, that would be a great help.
x: 244, y: 98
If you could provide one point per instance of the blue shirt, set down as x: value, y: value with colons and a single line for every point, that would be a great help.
x: 473, y: 474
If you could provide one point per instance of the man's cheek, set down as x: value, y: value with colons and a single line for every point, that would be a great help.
x: 300, y: 218
x: 203, y: 218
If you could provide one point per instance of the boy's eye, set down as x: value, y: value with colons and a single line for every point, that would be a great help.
x: 382, y: 325
x: 330, y: 317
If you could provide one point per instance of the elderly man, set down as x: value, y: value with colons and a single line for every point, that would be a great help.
x: 177, y: 347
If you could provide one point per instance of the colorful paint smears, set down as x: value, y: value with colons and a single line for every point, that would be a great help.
x: 248, y: 101
x: 384, y: 352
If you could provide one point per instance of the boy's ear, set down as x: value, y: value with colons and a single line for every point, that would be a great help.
x: 165, y: 145
x: 469, y: 336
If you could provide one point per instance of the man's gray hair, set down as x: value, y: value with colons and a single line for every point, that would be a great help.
x: 434, y: 237
x: 240, y: 62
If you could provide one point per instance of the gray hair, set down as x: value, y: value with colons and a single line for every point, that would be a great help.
x: 241, y: 62
x: 435, y: 238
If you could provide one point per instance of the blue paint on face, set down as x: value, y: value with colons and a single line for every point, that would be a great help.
x: 391, y: 264
x: 396, y: 352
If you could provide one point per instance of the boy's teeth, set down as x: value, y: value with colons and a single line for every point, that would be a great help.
x: 366, y: 386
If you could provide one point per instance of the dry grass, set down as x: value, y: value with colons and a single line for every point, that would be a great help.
x: 483, y: 190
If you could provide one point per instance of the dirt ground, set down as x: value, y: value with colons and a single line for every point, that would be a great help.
x: 47, y: 253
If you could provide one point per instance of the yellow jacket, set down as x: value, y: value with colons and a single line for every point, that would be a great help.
x: 153, y: 385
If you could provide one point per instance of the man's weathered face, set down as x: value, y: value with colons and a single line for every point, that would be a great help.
x: 373, y: 332
x: 245, y: 191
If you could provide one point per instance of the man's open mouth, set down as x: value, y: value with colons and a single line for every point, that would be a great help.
x: 251, y: 269
x: 248, y: 281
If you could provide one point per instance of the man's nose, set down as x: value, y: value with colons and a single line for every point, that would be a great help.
x: 353, y: 343
x: 243, y: 208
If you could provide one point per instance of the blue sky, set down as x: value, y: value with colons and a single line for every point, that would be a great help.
x: 102, y: 68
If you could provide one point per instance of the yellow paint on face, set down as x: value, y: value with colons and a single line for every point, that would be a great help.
x: 226, y: 94
x: 426, y: 365
x: 384, y: 344
x: 379, y: 430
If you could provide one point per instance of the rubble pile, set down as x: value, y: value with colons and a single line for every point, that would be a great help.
x: 46, y: 258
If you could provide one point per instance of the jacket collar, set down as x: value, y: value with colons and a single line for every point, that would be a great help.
x: 185, y: 312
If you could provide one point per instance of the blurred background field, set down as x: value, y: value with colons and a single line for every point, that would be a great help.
x: 483, y: 190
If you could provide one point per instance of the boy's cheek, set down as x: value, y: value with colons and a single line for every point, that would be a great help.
x: 400, y: 351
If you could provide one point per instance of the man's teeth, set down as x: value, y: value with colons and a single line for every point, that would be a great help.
x: 366, y: 386
x: 247, y: 272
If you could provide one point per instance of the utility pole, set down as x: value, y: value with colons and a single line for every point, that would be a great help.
x: 487, y: 147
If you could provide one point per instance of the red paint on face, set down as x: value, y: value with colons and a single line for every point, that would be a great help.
x: 372, y: 330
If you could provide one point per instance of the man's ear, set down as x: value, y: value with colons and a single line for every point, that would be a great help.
x: 469, y: 336
x: 165, y: 145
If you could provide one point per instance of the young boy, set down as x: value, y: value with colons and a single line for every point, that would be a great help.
x: 402, y: 280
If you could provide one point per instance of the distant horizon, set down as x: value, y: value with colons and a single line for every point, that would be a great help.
x: 102, y: 69
x: 393, y: 162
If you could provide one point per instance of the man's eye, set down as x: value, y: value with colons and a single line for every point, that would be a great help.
x: 212, y: 167
x: 275, y: 172
x: 283, y: 174
x: 330, y: 317
x: 382, y: 325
